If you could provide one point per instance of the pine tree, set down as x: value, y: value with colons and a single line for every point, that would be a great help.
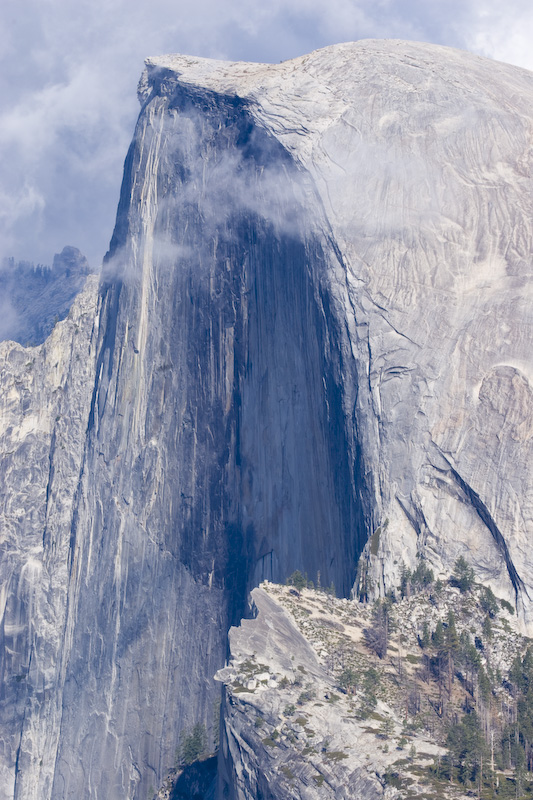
x: 377, y: 637
x: 422, y: 576
x: 467, y: 749
x: 451, y: 647
x: 451, y: 638
x: 192, y: 745
x: 437, y: 637
x: 425, y: 640
x: 487, y: 629
x: 488, y: 602
x: 462, y: 576
x: 405, y: 582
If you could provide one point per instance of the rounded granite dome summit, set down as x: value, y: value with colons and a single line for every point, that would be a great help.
x: 420, y: 158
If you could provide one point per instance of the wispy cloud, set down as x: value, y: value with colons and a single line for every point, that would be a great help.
x: 8, y: 318
x: 212, y: 191
x: 503, y: 32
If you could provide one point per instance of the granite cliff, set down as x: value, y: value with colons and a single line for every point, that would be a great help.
x: 309, y: 349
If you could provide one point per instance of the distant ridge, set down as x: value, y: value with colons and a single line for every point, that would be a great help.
x: 33, y: 299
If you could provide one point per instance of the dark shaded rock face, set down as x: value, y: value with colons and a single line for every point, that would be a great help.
x: 292, y: 351
x: 33, y: 299
x: 197, y: 781
x: 226, y: 319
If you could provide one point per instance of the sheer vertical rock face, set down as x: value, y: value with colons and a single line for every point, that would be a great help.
x: 313, y: 326
x: 44, y: 410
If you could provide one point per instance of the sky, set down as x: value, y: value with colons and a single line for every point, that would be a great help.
x: 69, y: 71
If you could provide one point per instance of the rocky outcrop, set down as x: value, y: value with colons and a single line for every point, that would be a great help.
x: 280, y: 735
x: 313, y: 331
x: 288, y: 728
x: 311, y: 711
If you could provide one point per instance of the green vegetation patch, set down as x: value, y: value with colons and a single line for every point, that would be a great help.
x: 238, y: 688
x: 268, y: 741
x: 306, y: 696
x: 507, y: 606
x: 396, y: 780
x: 462, y: 576
x: 335, y: 755
x: 193, y: 744
x: 287, y: 771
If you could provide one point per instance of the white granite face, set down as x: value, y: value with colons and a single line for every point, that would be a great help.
x: 422, y: 161
x: 314, y: 328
